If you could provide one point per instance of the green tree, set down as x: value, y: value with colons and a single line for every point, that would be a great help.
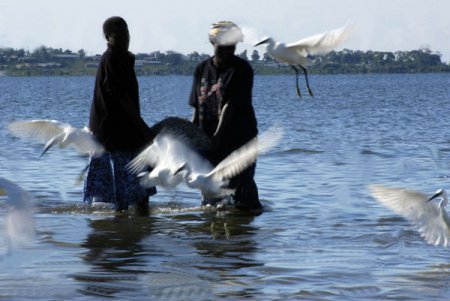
x: 255, y: 56
x: 173, y: 58
x: 82, y: 53
x: 267, y: 58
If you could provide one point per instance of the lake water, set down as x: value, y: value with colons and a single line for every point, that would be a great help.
x: 321, y: 237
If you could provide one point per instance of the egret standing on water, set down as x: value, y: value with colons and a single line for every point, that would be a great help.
x: 429, y: 217
x: 295, y: 54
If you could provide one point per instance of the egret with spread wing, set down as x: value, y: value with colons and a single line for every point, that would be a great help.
x: 429, y: 217
x: 173, y: 161
x: 295, y: 54
x: 213, y: 183
x: 52, y: 132
x: 19, y: 220
x: 167, y: 155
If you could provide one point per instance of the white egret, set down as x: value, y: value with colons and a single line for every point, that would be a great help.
x: 295, y: 54
x: 173, y: 146
x: 429, y: 217
x: 173, y: 161
x: 52, y: 132
x: 19, y: 219
x: 213, y: 182
x: 166, y: 155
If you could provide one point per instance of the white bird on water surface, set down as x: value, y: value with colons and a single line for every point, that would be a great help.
x: 429, y: 217
x: 295, y: 54
x: 53, y: 132
x: 19, y: 219
x: 173, y: 161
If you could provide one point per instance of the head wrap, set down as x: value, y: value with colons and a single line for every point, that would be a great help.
x: 225, y: 33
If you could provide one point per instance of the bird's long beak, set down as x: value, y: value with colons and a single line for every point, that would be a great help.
x: 262, y: 42
x: 437, y: 194
x: 182, y: 167
x: 49, y: 144
x: 81, y: 175
x: 46, y: 148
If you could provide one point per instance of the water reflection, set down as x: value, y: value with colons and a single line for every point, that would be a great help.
x: 232, y: 234
x: 169, y: 256
x: 115, y: 254
x: 229, y: 256
x: 114, y: 243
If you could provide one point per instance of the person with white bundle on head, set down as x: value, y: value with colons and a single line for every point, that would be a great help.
x: 222, y: 100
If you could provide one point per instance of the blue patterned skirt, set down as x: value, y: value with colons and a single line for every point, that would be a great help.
x: 109, y: 180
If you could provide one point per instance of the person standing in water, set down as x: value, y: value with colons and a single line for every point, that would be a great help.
x: 116, y: 122
x: 222, y: 100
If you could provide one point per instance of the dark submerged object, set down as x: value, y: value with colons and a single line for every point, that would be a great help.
x: 185, y: 131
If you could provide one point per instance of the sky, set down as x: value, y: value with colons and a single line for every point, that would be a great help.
x: 182, y: 26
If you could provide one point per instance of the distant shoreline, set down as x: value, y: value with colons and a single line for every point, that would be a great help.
x: 56, y: 62
x: 3, y: 74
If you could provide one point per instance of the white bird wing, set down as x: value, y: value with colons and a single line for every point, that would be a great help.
x: 85, y: 142
x: 149, y: 157
x: 169, y: 152
x: 412, y: 205
x: 45, y: 130
x: 181, y: 152
x: 247, y: 154
x: 41, y: 129
x: 19, y: 219
x: 323, y: 42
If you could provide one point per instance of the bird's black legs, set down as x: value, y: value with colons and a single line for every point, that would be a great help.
x: 307, y: 82
x: 296, y: 81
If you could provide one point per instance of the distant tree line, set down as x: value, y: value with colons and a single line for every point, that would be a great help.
x: 51, y: 61
x: 350, y: 61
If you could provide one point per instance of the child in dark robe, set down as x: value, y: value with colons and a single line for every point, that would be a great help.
x: 116, y: 122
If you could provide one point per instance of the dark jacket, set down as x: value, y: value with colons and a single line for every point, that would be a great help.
x: 115, y: 118
x: 213, y: 88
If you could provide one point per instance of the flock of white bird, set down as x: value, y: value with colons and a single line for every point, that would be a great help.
x: 173, y: 161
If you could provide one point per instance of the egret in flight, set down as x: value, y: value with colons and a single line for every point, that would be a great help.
x: 213, y: 182
x: 428, y: 216
x: 166, y: 156
x: 175, y: 140
x: 19, y: 220
x: 52, y: 132
x: 295, y: 54
x: 174, y: 160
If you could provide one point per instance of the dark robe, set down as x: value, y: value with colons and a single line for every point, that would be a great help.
x: 115, y: 118
x: 213, y: 90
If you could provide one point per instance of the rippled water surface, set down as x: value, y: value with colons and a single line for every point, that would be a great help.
x: 321, y: 237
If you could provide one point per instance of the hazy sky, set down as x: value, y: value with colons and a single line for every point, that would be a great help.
x: 385, y: 25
